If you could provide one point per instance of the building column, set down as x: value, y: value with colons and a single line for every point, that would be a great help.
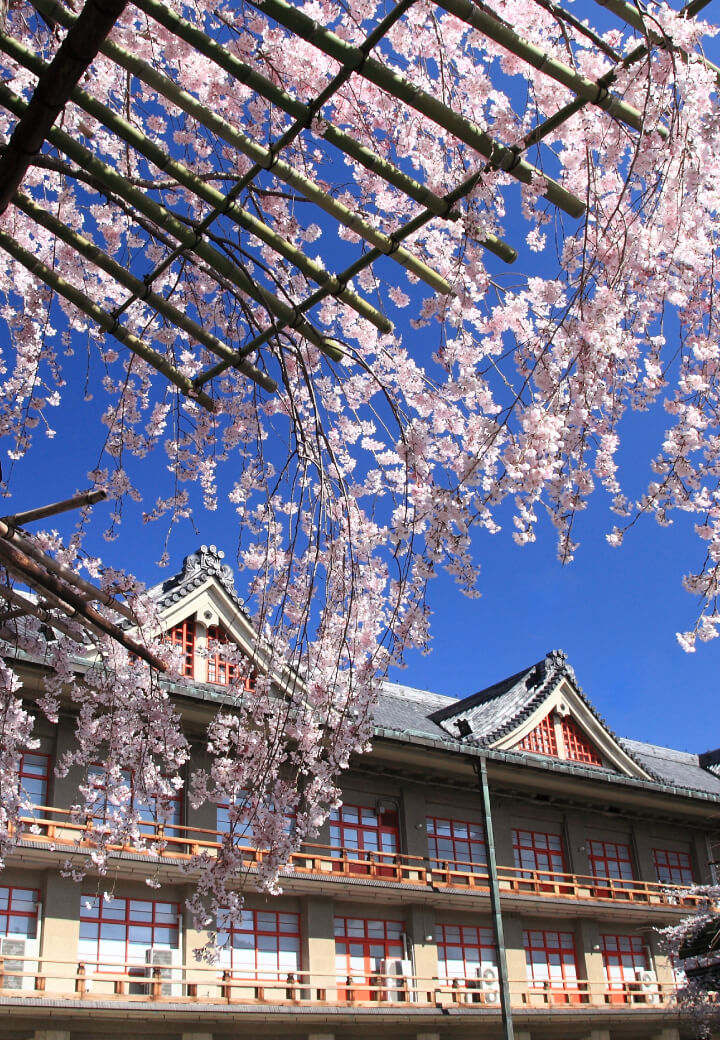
x: 51, y: 1034
x: 196, y: 1036
x: 413, y: 821
x: 660, y: 962
x: 667, y: 1034
x: 60, y: 932
x: 197, y: 975
x: 642, y: 847
x: 318, y: 929
x: 421, y: 928
x: 515, y: 958
x: 589, y: 953
x: 576, y: 841
x: 502, y: 832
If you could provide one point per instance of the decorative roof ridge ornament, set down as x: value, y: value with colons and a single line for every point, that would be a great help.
x: 207, y: 560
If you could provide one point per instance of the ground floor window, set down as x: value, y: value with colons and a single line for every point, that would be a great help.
x: 551, y: 962
x: 464, y: 952
x: 19, y: 912
x: 367, y: 953
x: 262, y: 944
x: 125, y: 931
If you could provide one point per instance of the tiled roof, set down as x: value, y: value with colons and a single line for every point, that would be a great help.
x: 678, y: 768
x: 197, y: 568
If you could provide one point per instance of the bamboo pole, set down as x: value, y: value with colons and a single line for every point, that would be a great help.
x: 222, y: 204
x: 500, y: 32
x: 91, y: 252
x: 401, y: 88
x: 28, y: 607
x: 79, y: 501
x: 303, y: 113
x: 21, y: 564
x: 104, y: 320
x: 74, y: 56
x: 115, y: 182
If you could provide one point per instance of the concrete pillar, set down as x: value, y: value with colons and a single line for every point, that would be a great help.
x: 421, y: 930
x: 61, y: 931
x: 699, y: 858
x: 196, y: 1036
x: 590, y: 959
x: 660, y: 962
x: 643, y: 846
x: 427, y: 1036
x: 413, y: 837
x: 667, y: 1034
x: 321, y: 1036
x: 521, y: 1034
x: 64, y: 790
x: 502, y: 830
x: 205, y: 816
x: 318, y: 929
x: 51, y: 1034
x: 515, y: 954
x: 197, y: 973
x: 599, y: 1034
x: 576, y: 841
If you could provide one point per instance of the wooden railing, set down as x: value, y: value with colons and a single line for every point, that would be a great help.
x: 58, y: 980
x: 60, y: 826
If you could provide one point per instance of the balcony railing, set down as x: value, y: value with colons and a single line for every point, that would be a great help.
x: 61, y: 826
x: 57, y: 980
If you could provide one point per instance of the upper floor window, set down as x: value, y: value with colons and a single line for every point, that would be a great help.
x: 577, y: 746
x: 464, y: 952
x: 263, y: 944
x: 34, y: 773
x: 152, y: 812
x: 623, y: 957
x: 121, y: 931
x: 367, y: 956
x: 357, y: 829
x: 183, y: 636
x: 459, y: 842
x: 673, y: 868
x: 19, y: 911
x: 219, y: 669
x: 542, y: 739
x: 609, y: 859
x: 537, y: 850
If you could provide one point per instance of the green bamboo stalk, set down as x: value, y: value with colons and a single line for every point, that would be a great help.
x: 283, y: 171
x: 139, y: 289
x: 401, y: 88
x: 160, y: 158
x: 540, y: 60
x: 302, y: 113
x: 104, y: 320
x: 115, y: 182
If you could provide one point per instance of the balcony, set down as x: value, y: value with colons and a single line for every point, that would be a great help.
x: 61, y: 829
x: 206, y: 987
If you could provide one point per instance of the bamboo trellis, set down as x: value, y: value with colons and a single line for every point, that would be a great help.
x: 39, y: 140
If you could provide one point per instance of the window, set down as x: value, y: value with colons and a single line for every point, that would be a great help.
x: 361, y: 830
x: 34, y: 773
x: 19, y: 912
x: 152, y: 813
x: 623, y: 957
x: 541, y: 740
x: 219, y: 669
x: 183, y: 635
x: 610, y: 860
x: 463, y: 952
x: 536, y: 850
x: 363, y: 949
x: 242, y: 824
x: 577, y: 746
x: 673, y: 868
x: 463, y: 844
x: 550, y: 961
x: 263, y: 944
x: 120, y: 931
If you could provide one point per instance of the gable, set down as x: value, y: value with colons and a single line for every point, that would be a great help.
x: 563, y: 726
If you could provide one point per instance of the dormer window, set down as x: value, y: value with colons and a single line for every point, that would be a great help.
x: 559, y: 736
x: 219, y: 669
x: 183, y: 635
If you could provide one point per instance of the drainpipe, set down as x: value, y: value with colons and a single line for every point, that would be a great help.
x: 505, y: 1007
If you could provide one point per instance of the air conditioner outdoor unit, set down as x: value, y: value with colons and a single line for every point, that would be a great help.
x: 393, y: 974
x: 164, y: 959
x: 648, y: 985
x: 490, y: 984
x: 19, y: 955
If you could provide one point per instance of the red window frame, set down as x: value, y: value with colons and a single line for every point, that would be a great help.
x: 361, y: 830
x: 183, y: 635
x: 221, y: 672
x: 542, y: 740
x: 577, y: 746
x: 267, y: 931
x: 29, y: 777
x: 19, y: 906
x: 610, y: 859
x: 551, y: 963
x: 538, y: 851
x: 471, y: 947
x: 369, y: 941
x: 672, y: 867
x: 458, y: 841
x: 623, y: 956
x: 149, y: 819
x: 129, y: 916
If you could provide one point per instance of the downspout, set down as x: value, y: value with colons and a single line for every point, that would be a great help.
x: 505, y: 1007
